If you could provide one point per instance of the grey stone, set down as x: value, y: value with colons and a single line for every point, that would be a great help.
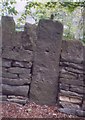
x: 3, y: 98
x: 16, y: 82
x: 17, y: 70
x: 18, y: 54
x: 83, y: 107
x: 25, y: 76
x: 19, y: 101
x: 15, y: 90
x: 70, y: 94
x: 22, y: 64
x: 26, y: 42
x: 69, y: 105
x: 0, y: 73
x: 84, y: 58
x: 63, y: 86
x: 16, y: 97
x: 67, y: 76
x: 9, y: 75
x: 74, y: 70
x: 80, y: 113
x: 8, y: 24
x: 64, y: 71
x: 74, y: 82
x: 6, y: 63
x: 73, y: 111
x: 73, y: 65
x: 17, y: 39
x: 0, y: 39
x: 72, y: 51
x: 68, y: 111
x: 0, y: 89
x: 0, y: 62
x: 0, y: 79
x: 77, y: 89
x: 4, y: 69
x: 8, y: 30
x: 30, y: 30
x: 27, y: 65
x: 46, y: 62
x: 17, y: 64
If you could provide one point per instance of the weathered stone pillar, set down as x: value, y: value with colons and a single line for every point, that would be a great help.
x: 8, y: 30
x: 46, y: 62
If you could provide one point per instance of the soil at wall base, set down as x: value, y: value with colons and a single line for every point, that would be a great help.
x: 32, y: 110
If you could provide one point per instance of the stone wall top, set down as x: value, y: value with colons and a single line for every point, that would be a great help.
x: 72, y: 50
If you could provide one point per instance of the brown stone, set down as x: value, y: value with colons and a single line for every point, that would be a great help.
x: 70, y: 99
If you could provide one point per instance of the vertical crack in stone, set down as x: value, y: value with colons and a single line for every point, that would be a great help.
x: 31, y: 72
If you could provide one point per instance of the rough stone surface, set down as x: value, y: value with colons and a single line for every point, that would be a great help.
x: 73, y: 111
x: 9, y: 75
x: 16, y: 82
x: 3, y: 98
x: 19, y: 101
x: 77, y: 89
x: 46, y: 62
x: 30, y: 59
x: 15, y: 90
x: 18, y: 54
x: 17, y: 70
x: 72, y: 81
x: 72, y: 78
x: 69, y: 93
x: 70, y: 99
x: 6, y: 63
x: 17, y: 57
x: 69, y: 105
x: 22, y: 64
x: 72, y: 51
x: 8, y: 30
x: 30, y: 30
x: 68, y: 111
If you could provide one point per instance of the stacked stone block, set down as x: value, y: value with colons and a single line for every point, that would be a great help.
x: 71, y: 79
x: 17, y: 55
x: 30, y: 66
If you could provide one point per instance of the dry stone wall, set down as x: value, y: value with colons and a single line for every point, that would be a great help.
x: 36, y: 66
x: 17, y: 56
x: 71, y: 79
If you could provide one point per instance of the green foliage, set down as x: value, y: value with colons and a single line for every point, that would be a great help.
x: 38, y: 10
x: 71, y: 6
x: 65, y: 12
x: 7, y: 7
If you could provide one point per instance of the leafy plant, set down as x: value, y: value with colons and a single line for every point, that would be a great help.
x: 65, y: 12
x: 7, y: 7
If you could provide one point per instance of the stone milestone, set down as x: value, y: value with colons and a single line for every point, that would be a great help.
x: 44, y: 86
